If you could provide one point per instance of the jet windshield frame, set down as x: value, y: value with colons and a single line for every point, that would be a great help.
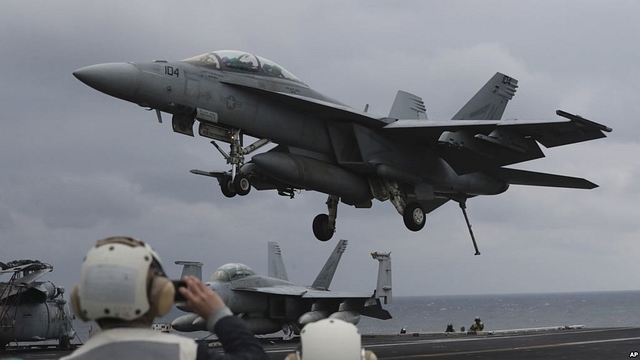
x: 240, y: 61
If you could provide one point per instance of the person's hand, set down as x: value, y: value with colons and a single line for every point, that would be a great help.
x: 200, y: 298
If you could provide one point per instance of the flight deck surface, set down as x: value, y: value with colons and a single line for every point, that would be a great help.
x: 596, y: 343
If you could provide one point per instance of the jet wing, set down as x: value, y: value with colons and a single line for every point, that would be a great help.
x: 318, y: 108
x: 305, y: 293
x: 315, y: 294
x: 276, y: 290
x: 550, y: 133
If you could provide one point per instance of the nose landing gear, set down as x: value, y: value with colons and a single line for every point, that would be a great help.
x: 236, y: 182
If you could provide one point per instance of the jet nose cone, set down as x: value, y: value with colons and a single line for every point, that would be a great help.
x: 121, y: 80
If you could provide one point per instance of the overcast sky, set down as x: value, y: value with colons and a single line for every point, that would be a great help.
x: 78, y: 165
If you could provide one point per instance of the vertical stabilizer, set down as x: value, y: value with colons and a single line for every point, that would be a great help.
x: 383, y: 289
x: 191, y: 268
x: 408, y: 106
x: 489, y: 103
x: 323, y: 280
x: 276, y: 265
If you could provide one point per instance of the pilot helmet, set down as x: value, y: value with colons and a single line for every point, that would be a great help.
x: 477, y: 319
x: 122, y: 278
x: 330, y: 339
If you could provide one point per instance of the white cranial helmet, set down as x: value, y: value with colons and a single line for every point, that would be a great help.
x: 122, y: 278
x: 330, y: 339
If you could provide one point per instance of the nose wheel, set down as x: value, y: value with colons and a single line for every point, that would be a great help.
x: 226, y: 186
x: 241, y: 184
x: 236, y: 182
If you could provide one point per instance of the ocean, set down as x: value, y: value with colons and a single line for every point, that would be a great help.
x: 498, y: 312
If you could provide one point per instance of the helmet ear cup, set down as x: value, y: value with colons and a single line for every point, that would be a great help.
x: 161, y: 296
x: 75, y: 303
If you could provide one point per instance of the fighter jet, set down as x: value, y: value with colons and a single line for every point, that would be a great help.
x: 272, y: 303
x: 32, y: 310
x: 326, y: 146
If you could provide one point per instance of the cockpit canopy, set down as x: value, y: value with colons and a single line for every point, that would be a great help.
x: 231, y: 272
x: 243, y: 62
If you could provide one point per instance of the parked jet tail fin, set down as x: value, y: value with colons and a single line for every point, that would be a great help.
x: 191, y: 268
x: 408, y: 106
x: 383, y: 289
x: 489, y: 103
x: 276, y: 265
x: 323, y: 280
x: 524, y: 177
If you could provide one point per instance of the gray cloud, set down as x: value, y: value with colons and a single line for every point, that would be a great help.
x: 78, y: 165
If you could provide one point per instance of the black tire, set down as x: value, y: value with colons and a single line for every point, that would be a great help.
x: 321, y: 227
x: 226, y: 185
x: 414, y: 217
x: 241, y: 184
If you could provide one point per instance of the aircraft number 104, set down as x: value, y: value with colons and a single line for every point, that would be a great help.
x: 171, y: 71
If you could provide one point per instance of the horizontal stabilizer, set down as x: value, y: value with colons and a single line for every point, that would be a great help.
x: 408, y: 106
x: 524, y: 177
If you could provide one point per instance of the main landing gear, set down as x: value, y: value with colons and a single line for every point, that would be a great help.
x: 412, y: 213
x: 236, y: 182
x: 325, y: 225
x: 414, y: 217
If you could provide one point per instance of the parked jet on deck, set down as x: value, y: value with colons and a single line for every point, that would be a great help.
x: 272, y: 303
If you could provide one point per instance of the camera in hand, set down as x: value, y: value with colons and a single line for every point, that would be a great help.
x: 177, y: 284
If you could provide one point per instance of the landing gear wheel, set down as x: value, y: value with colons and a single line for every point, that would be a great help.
x: 226, y: 185
x: 241, y: 184
x: 414, y: 217
x: 321, y: 227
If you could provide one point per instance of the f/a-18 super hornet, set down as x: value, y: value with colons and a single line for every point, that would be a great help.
x: 272, y: 303
x: 353, y: 156
x: 32, y: 310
